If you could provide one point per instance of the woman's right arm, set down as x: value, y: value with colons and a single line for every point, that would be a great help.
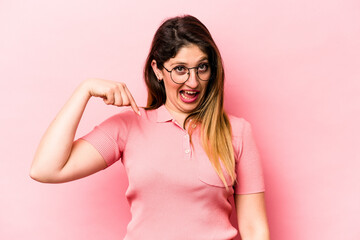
x: 61, y: 159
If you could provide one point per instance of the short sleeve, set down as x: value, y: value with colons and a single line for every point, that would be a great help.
x: 108, y: 138
x: 248, y: 165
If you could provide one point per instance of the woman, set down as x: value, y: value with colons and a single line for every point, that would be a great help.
x: 184, y: 157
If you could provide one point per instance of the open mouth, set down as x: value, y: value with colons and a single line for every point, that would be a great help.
x: 189, y: 96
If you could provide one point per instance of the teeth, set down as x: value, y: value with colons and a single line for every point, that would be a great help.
x: 182, y: 94
x: 190, y: 94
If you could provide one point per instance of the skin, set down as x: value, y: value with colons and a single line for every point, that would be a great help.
x: 251, y: 216
x: 60, y: 159
x: 188, y: 56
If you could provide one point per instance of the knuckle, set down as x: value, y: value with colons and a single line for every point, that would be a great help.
x: 126, y: 102
x: 121, y: 85
x: 110, y: 90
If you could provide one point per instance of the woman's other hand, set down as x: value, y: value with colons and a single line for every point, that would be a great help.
x: 112, y: 93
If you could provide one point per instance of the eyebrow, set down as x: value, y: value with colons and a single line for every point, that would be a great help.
x: 184, y: 63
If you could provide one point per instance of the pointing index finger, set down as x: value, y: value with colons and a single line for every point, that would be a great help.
x: 132, y: 102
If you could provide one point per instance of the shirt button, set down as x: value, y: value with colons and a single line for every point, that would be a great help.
x: 186, y: 136
x: 187, y: 151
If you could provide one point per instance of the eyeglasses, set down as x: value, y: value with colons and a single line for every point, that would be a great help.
x: 181, y: 74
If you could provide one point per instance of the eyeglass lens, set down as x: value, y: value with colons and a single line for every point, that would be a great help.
x: 181, y: 74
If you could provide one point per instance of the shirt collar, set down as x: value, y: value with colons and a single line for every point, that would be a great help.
x: 163, y: 114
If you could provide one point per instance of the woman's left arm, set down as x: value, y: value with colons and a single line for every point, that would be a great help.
x: 251, y: 215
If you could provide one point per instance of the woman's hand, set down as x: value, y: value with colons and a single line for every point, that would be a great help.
x: 112, y: 93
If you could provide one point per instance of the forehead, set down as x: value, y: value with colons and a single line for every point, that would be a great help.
x: 189, y: 54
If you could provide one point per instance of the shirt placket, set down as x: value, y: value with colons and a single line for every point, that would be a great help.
x: 187, y: 146
x: 186, y: 142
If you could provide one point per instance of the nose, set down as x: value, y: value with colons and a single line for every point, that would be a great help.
x: 193, y: 80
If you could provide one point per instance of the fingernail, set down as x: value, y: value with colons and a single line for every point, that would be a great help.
x: 139, y: 113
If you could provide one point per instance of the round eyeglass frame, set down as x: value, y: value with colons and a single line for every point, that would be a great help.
x: 188, y: 73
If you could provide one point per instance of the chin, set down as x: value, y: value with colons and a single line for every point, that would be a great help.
x: 189, y: 109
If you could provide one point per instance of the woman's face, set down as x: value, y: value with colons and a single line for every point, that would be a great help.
x: 185, y: 97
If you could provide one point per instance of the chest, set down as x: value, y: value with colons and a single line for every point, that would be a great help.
x: 160, y: 154
x: 162, y: 158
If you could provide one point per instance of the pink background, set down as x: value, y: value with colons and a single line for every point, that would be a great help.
x: 293, y: 71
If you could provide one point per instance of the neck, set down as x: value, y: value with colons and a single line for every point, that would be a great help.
x: 178, y: 116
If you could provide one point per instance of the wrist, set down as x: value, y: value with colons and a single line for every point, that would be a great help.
x: 84, y: 89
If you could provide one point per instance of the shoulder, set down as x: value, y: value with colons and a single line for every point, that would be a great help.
x: 125, y: 119
x: 126, y: 115
x: 241, y: 132
x: 238, y: 125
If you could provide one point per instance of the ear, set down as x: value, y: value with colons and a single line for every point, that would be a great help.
x: 156, y: 70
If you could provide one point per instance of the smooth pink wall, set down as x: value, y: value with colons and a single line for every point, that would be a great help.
x: 292, y: 68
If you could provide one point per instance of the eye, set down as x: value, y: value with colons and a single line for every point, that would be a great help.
x: 203, y: 67
x: 180, y: 70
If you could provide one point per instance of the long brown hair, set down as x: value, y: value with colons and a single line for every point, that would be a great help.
x: 216, y: 137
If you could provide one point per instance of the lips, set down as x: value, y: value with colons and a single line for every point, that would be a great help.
x: 189, y: 96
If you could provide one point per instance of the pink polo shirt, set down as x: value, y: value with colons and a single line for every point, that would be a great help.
x: 174, y: 192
